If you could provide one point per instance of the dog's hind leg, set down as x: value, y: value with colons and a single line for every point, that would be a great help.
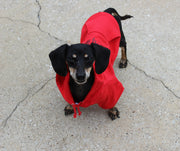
x: 122, y: 44
x: 123, y: 60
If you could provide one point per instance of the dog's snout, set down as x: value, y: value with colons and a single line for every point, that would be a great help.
x: 80, y: 74
x: 80, y: 77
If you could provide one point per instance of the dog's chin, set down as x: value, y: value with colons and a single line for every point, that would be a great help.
x: 80, y: 82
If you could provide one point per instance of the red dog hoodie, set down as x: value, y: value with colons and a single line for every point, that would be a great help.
x: 103, y: 29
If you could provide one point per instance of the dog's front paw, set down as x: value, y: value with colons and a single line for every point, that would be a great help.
x: 114, y: 113
x: 123, y: 63
x: 68, y: 110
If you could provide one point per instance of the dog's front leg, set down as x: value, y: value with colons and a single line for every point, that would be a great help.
x: 114, y: 113
x: 68, y: 110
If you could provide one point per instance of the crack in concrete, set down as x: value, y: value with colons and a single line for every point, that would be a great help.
x: 39, y: 18
x: 18, y: 20
x: 29, y: 92
x: 38, y: 15
x: 37, y: 25
x: 30, y: 95
x: 27, y: 22
x: 153, y: 78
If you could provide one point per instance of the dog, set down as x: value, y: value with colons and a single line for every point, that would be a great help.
x: 84, y: 71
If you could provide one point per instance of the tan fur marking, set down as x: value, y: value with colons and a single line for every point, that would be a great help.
x: 113, y: 112
x: 72, y: 70
x: 86, y: 55
x: 88, y: 70
x: 74, y: 55
x: 69, y: 107
x: 114, y: 14
x: 123, y: 53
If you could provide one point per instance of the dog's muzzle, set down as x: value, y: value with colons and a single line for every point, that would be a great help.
x: 80, y: 77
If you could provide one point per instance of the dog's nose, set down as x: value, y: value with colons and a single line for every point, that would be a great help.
x: 80, y: 77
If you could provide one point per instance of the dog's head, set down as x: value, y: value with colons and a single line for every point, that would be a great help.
x: 79, y: 58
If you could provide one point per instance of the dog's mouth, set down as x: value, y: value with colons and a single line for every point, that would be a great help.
x: 80, y: 82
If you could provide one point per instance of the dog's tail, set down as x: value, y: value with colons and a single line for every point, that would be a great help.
x: 114, y: 13
x: 125, y: 17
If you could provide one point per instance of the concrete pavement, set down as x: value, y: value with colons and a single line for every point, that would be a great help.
x: 31, y: 107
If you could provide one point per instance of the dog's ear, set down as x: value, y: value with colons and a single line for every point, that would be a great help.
x: 102, y: 55
x: 58, y: 60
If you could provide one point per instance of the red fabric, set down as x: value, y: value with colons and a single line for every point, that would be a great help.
x: 102, y: 29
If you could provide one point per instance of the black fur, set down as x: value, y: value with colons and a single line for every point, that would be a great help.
x: 58, y: 60
x: 102, y: 55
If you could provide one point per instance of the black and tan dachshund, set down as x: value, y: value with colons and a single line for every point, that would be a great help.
x: 78, y: 60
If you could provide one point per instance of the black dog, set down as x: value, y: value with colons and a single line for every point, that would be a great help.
x: 78, y: 60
